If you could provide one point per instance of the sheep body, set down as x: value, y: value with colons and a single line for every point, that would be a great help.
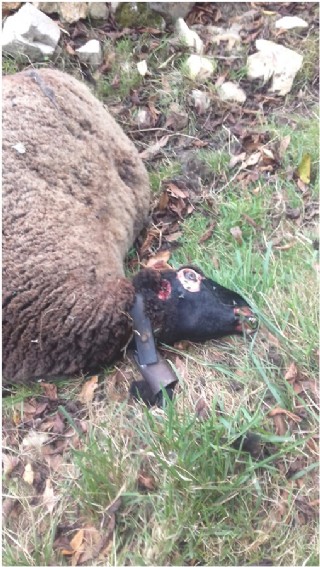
x: 75, y: 195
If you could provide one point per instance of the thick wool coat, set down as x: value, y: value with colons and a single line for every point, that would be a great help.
x: 75, y: 195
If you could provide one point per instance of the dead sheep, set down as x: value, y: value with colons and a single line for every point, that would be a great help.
x: 75, y: 195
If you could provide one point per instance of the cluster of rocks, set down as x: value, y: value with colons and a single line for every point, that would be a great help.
x: 30, y: 33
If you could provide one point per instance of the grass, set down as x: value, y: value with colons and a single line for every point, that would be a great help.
x: 209, y: 503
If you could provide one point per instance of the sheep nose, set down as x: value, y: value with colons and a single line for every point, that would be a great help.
x: 246, y: 321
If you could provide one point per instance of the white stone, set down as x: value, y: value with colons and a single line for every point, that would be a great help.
x: 199, y: 67
x: 231, y: 91
x: 98, y: 10
x: 276, y: 61
x: 90, y: 53
x: 290, y: 22
x: 30, y: 32
x: 72, y: 11
x: 114, y: 6
x: 142, y: 67
x: 188, y: 36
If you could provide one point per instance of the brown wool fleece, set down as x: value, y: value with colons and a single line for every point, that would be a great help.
x: 75, y: 196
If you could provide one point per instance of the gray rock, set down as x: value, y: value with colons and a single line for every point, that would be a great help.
x: 171, y: 11
x: 98, y: 10
x: 90, y: 53
x: 31, y: 33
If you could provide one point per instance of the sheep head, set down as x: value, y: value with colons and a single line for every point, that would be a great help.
x: 184, y: 304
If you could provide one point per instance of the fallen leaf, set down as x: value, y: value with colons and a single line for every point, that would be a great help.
x: 236, y: 232
x: 292, y: 373
x: 304, y: 169
x: 283, y: 146
x: 250, y: 221
x: 75, y: 543
x: 146, y: 481
x: 9, y: 463
x: 50, y: 390
x: 202, y: 409
x: 48, y: 498
x: 152, y: 235
x: 28, y: 475
x: 159, y: 259
x: 32, y: 408
x: 282, y: 411
x: 177, y: 119
x: 163, y: 201
x: 174, y: 236
x: 176, y: 191
x: 280, y: 425
x: 54, y: 461
x: 87, y: 391
x: 234, y: 160
x: 152, y: 151
x: 93, y: 542
x: 251, y: 160
x: 208, y: 233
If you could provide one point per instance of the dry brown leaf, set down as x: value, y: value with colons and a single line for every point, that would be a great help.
x: 87, y: 391
x: 54, y: 424
x: 48, y: 498
x: 177, y: 119
x: 146, y: 481
x: 292, y: 373
x: 16, y: 417
x: 159, y: 261
x: 50, y: 390
x: 75, y: 543
x: 177, y: 192
x: 279, y: 425
x: 9, y: 463
x: 282, y: 411
x: 28, y: 475
x: 215, y: 262
x: 32, y: 409
x: 202, y: 409
x: 152, y: 234
x: 283, y: 146
x: 253, y: 159
x: 236, y: 232
x: 174, y: 236
x: 181, y: 367
x: 54, y: 461
x: 250, y: 221
x: 163, y: 201
x: 151, y: 151
x: 208, y: 233
x: 237, y: 159
x: 285, y: 246
x: 92, y: 544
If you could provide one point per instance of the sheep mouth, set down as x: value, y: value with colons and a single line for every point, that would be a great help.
x: 246, y: 321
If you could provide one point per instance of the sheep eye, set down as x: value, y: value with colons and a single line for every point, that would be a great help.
x: 191, y: 275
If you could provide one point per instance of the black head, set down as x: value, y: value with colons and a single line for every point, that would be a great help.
x: 185, y: 305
